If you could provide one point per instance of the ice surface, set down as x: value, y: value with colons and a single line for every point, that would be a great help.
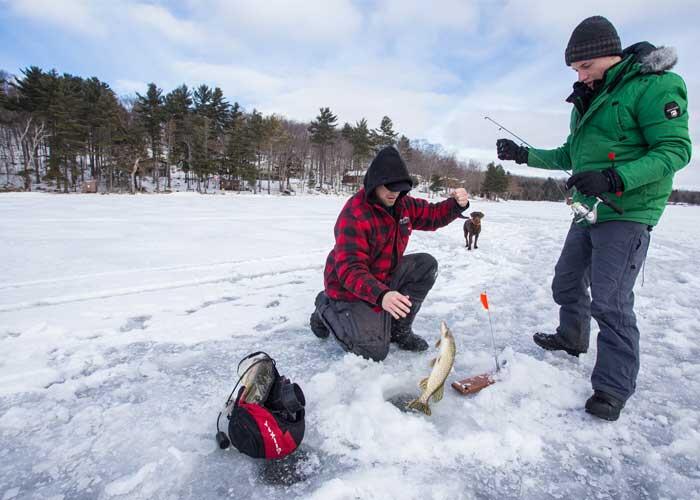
x: 122, y: 320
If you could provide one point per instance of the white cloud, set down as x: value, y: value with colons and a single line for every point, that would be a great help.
x: 167, y: 25
x: 321, y: 21
x: 554, y: 20
x: 126, y: 87
x: 414, y: 16
x: 73, y: 15
x: 237, y: 81
x: 353, y: 87
x: 352, y: 100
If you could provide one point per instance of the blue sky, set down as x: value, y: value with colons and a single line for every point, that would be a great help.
x: 436, y: 68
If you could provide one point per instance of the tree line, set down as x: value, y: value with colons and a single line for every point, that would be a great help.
x: 61, y: 130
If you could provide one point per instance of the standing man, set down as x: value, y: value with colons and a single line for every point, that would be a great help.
x: 628, y: 137
x: 372, y: 291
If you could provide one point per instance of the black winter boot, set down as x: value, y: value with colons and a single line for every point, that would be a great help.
x: 604, y: 406
x: 315, y: 321
x: 554, y: 343
x: 317, y: 326
x: 402, y: 333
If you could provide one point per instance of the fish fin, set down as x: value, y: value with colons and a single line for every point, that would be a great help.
x: 423, y: 384
x: 416, y: 404
x: 433, y: 361
x: 439, y: 393
x: 439, y: 340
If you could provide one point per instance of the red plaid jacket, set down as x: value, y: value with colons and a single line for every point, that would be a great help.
x: 360, y: 265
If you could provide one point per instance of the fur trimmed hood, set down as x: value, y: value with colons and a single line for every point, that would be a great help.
x: 651, y: 58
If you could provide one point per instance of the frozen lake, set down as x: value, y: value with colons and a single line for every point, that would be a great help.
x: 122, y: 320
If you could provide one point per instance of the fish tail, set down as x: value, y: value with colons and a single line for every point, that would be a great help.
x: 417, y: 404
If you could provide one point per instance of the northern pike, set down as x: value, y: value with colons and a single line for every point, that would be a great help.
x: 258, y: 375
x: 434, y: 385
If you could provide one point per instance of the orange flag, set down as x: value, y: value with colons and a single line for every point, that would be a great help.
x: 484, y: 301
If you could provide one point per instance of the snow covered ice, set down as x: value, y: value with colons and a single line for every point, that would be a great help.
x: 122, y: 320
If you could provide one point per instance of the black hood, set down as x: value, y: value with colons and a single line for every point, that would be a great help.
x: 387, y: 167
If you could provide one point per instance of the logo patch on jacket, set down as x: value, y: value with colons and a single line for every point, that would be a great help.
x: 404, y: 220
x: 672, y: 110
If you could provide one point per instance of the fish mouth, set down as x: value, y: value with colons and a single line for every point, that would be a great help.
x: 444, y: 330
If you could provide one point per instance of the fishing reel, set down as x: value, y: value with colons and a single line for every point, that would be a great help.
x: 582, y: 213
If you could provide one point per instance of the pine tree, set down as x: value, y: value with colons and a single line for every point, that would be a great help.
x: 67, y: 129
x: 361, y: 142
x: 550, y: 191
x: 100, y: 112
x: 323, y: 134
x: 220, y: 110
x: 150, y: 108
x: 385, y: 135
x: 495, y: 180
x: 178, y: 111
x: 311, y: 181
x: 436, y: 183
x: 404, y: 147
x: 29, y: 107
x: 129, y: 147
x: 238, y: 153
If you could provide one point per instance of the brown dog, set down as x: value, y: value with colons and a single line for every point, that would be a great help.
x: 472, y: 229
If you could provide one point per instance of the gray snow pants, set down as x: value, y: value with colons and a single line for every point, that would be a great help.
x: 606, y: 258
x: 358, y: 327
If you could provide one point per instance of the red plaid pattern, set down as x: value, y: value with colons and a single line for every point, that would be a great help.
x: 366, y: 236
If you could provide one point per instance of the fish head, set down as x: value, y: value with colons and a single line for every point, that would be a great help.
x: 445, y: 332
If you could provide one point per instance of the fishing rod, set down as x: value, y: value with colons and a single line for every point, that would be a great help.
x: 579, y: 209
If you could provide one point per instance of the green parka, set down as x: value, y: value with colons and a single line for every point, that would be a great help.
x: 640, y: 113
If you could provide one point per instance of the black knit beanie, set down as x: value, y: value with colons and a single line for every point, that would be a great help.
x: 594, y: 37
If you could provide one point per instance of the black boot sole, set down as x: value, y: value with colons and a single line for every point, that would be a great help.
x: 549, y: 347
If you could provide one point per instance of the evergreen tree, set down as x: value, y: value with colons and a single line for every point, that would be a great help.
x: 178, y: 111
x: 240, y: 157
x: 257, y: 134
x: 239, y: 153
x: 130, y: 148
x: 253, y: 138
x: 404, y: 147
x: 551, y: 191
x: 361, y: 143
x: 29, y: 106
x: 150, y: 108
x: 385, y: 135
x: 202, y: 99
x: 220, y: 110
x: 436, y: 183
x: 100, y: 111
x: 323, y: 134
x: 67, y: 129
x: 31, y: 90
x: 495, y: 180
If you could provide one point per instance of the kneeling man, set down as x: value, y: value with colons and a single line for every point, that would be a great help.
x: 372, y: 290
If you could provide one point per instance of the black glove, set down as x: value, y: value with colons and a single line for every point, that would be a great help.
x: 595, y: 182
x: 509, y: 150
